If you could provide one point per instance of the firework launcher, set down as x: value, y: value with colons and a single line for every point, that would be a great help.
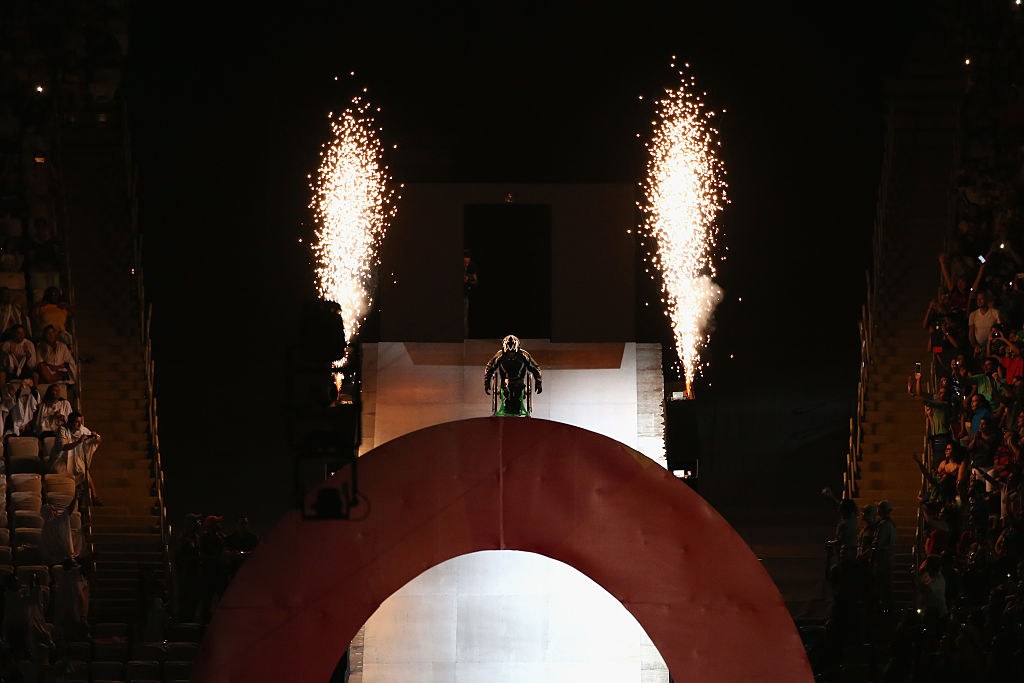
x: 323, y: 422
x: 682, y: 433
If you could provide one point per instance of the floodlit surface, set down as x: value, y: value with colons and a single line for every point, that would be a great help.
x: 612, y: 389
x: 685, y: 191
x: 506, y: 616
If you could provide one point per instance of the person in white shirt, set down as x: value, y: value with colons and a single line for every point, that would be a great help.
x: 12, y: 313
x: 56, y: 364
x: 980, y: 323
x: 52, y: 413
x: 20, y: 402
x: 73, y: 450
x: 19, y: 358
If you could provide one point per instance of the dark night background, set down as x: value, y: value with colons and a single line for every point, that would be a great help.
x: 228, y: 107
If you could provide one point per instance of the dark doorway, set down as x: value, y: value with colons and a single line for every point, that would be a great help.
x: 511, y: 248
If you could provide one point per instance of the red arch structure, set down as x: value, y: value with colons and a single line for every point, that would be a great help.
x: 508, y: 484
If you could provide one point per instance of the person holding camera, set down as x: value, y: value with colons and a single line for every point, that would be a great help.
x: 72, y: 453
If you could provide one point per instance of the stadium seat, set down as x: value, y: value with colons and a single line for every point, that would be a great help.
x: 22, y: 446
x: 110, y: 629
x: 182, y: 652
x: 106, y: 671
x: 177, y: 671
x: 139, y: 670
x: 28, y: 536
x: 26, y: 501
x: 26, y: 572
x: 27, y: 555
x: 80, y: 650
x: 6, y: 556
x: 110, y: 649
x: 59, y: 483
x: 5, y: 536
x: 148, y: 652
x: 23, y: 455
x: 26, y: 519
x: 77, y: 671
x: 184, y: 632
x: 15, y: 280
x: 61, y: 500
x: 25, y: 482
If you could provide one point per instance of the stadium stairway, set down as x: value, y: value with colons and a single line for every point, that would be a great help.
x: 916, y: 217
x: 125, y: 531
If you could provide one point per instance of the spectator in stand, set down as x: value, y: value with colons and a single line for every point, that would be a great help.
x: 931, y: 586
x: 55, y: 544
x: 156, y: 619
x: 52, y: 311
x: 946, y: 343
x: 42, y: 260
x: 882, y: 550
x: 937, y: 414
x: 11, y: 258
x: 212, y: 568
x: 980, y: 323
x: 957, y: 270
x: 11, y: 314
x: 186, y: 568
x: 1013, y: 364
x: 844, y: 546
x: 983, y: 445
x: 73, y: 452
x: 52, y: 413
x: 978, y: 410
x: 56, y: 364
x: 865, y: 543
x: 950, y: 473
x: 21, y: 402
x: 71, y: 603
x: 19, y: 357
x: 989, y: 383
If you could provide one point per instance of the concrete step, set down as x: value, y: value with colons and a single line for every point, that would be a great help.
x: 895, y: 467
x: 110, y: 526
x: 111, y: 377
x: 139, y: 542
x: 116, y: 383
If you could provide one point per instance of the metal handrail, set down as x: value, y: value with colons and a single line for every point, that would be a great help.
x: 866, y: 325
x: 145, y: 327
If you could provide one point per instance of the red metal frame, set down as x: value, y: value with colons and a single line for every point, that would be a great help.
x: 506, y: 483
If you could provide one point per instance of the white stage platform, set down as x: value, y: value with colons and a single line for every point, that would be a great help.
x: 615, y: 389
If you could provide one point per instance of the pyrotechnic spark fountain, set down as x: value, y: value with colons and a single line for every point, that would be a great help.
x: 352, y: 204
x: 685, y: 190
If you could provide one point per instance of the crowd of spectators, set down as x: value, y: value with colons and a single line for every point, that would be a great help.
x: 60, y: 64
x: 966, y: 622
x: 205, y: 561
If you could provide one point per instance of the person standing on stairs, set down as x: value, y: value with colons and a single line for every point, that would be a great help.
x: 72, y: 454
x: 882, y: 551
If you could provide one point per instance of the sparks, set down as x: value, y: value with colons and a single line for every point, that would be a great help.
x: 352, y: 205
x: 685, y: 190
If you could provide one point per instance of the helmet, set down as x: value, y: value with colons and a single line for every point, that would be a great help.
x: 510, y: 343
